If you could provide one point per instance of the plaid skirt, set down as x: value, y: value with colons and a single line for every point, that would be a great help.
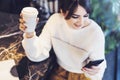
x: 61, y: 74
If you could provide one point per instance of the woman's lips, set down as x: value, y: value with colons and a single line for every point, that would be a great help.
x: 76, y: 25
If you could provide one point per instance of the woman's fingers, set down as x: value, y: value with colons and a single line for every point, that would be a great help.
x: 22, y: 27
x: 92, y: 71
x: 21, y: 21
x: 21, y: 15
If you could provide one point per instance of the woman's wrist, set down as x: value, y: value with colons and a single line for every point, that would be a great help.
x: 29, y: 34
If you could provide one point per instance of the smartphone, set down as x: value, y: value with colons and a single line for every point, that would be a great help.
x: 94, y: 63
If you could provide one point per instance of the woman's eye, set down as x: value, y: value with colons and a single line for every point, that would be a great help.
x: 87, y: 15
x: 75, y: 17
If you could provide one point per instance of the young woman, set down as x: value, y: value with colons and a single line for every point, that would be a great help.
x: 75, y: 38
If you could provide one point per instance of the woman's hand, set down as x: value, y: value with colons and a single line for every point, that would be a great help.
x: 91, y: 71
x: 22, y: 27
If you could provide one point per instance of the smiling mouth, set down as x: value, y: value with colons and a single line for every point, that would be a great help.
x: 77, y: 25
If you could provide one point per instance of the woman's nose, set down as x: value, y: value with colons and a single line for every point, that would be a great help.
x: 80, y: 19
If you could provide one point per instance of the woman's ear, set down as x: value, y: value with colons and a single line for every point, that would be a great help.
x: 61, y: 12
x: 64, y: 14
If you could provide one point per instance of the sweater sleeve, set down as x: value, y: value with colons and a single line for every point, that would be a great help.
x: 98, y: 53
x: 37, y: 48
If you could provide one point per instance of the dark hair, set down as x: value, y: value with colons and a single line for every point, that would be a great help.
x: 70, y: 6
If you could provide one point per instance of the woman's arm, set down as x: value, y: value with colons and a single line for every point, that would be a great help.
x: 37, y: 48
x: 98, y: 43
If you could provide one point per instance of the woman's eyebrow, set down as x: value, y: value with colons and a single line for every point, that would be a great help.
x: 75, y: 15
x: 80, y: 15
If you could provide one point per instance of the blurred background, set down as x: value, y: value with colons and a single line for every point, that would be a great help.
x: 105, y: 12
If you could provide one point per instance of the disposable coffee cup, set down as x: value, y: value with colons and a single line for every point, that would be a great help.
x: 29, y: 15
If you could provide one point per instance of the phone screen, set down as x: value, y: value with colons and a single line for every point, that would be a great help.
x: 94, y: 63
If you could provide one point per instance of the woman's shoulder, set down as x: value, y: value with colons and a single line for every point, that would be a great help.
x: 54, y: 20
x: 56, y: 16
x: 96, y: 28
x: 95, y: 25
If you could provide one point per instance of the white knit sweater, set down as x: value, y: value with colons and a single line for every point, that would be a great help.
x: 73, y: 47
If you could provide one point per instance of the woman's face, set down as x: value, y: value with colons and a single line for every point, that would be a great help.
x: 78, y: 18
